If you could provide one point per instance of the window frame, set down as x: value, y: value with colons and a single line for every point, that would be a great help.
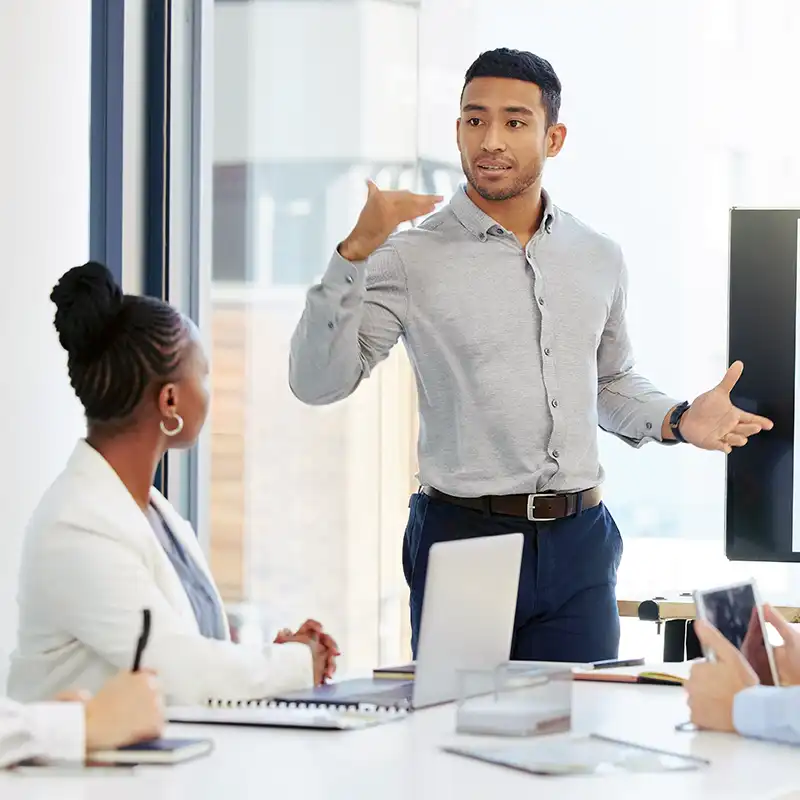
x: 188, y: 155
x: 151, y: 174
x: 106, y: 134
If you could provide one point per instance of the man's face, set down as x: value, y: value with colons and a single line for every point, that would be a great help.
x: 503, y: 136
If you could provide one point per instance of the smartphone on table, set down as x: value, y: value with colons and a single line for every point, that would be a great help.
x: 737, y: 613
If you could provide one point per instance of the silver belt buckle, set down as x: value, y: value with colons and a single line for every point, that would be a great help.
x: 532, y: 509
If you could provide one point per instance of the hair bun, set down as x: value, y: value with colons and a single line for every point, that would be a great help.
x: 87, y: 300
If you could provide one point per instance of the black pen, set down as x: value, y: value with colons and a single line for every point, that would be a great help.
x: 142, y: 643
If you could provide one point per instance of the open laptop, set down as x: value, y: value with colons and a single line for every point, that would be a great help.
x: 467, y: 623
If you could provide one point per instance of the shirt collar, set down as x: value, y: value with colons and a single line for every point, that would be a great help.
x: 480, y: 224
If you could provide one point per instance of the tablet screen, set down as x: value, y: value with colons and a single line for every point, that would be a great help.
x: 733, y: 613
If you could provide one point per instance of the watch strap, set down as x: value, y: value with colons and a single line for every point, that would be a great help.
x: 675, y: 420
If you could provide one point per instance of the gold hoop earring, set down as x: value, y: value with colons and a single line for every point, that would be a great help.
x: 172, y: 431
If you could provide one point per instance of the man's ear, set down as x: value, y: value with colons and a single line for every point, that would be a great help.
x: 555, y: 139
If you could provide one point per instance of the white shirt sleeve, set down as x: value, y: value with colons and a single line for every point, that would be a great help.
x: 47, y: 731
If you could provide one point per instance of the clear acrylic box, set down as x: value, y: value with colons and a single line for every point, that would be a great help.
x: 515, y: 699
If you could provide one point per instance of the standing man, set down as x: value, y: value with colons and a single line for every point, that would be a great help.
x: 513, y: 315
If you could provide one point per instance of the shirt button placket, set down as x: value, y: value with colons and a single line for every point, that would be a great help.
x: 548, y: 363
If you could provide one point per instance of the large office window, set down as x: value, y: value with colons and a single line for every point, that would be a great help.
x: 675, y: 113
x: 307, y: 505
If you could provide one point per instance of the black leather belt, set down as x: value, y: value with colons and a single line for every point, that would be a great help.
x: 533, y: 507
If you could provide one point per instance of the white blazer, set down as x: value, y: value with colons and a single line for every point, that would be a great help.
x: 90, y: 564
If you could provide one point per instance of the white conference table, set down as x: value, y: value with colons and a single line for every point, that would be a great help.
x: 402, y: 761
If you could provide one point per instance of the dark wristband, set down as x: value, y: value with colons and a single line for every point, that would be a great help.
x: 675, y: 420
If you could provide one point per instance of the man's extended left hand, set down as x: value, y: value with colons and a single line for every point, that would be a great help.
x: 712, y: 422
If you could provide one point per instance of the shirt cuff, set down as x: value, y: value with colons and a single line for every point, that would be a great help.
x: 657, y: 411
x: 58, y: 730
x: 344, y: 274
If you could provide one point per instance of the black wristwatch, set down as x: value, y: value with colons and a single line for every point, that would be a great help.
x: 675, y: 420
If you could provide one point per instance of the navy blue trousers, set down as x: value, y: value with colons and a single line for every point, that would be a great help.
x: 566, y: 601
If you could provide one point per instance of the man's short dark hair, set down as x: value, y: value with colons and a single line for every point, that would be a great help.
x: 522, y: 66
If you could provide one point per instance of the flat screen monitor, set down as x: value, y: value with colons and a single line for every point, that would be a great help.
x: 762, y: 505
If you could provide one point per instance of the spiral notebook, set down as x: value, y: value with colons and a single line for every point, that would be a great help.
x: 359, y: 694
x: 345, y: 705
x: 265, y: 714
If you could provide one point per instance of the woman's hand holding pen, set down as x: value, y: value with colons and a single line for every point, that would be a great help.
x: 128, y: 709
x: 323, y: 647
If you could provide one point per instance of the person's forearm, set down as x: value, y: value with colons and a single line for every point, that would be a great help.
x: 229, y: 671
x: 630, y: 407
x: 768, y: 712
x: 351, y: 321
x: 325, y: 363
x: 42, y: 731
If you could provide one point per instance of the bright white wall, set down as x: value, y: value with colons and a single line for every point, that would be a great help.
x: 44, y: 230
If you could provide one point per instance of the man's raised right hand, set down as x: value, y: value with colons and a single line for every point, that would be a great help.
x: 381, y: 215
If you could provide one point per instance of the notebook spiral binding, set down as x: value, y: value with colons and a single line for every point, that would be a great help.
x: 268, y: 703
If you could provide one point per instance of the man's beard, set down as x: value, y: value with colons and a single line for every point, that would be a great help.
x: 520, y: 185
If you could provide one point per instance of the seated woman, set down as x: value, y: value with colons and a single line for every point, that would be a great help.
x: 104, y: 544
